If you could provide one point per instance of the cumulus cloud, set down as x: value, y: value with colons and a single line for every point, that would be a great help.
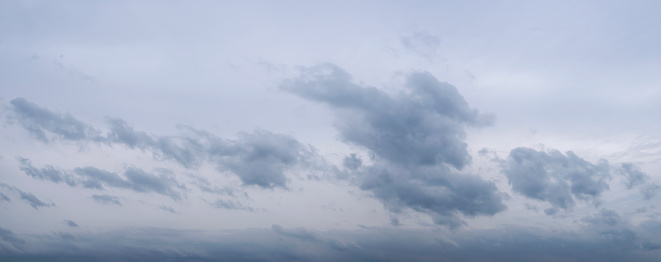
x: 91, y: 177
x: 415, y: 138
x: 258, y: 158
x: 556, y: 178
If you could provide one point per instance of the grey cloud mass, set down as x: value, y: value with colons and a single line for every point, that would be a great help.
x: 416, y: 138
x: 508, y: 243
x: 556, y: 178
x: 258, y: 158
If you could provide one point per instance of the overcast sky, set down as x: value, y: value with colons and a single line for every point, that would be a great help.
x: 330, y: 131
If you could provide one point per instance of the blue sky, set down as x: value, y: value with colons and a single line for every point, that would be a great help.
x: 297, y: 130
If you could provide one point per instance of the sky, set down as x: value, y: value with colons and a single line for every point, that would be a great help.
x: 330, y: 131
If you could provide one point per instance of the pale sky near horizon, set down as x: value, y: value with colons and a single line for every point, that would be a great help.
x: 344, y: 130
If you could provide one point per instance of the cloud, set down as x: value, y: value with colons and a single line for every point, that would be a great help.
x: 298, y: 233
x: 46, y: 173
x: 168, y: 209
x: 4, y: 197
x: 415, y: 138
x: 305, y: 235
x: 106, y: 199
x: 422, y: 43
x: 258, y: 158
x: 142, y: 181
x: 230, y: 204
x: 70, y: 223
x: 650, y: 191
x: 609, y: 226
x: 632, y: 175
x: 35, y: 202
x: 36, y: 120
x: 555, y: 178
x: 10, y: 243
x: 352, y: 162
x: 205, y: 186
x: 91, y: 177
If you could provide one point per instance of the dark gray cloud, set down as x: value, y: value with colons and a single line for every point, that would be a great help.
x: 106, y: 199
x: 35, y: 202
x: 434, y: 190
x: 91, y: 177
x: 602, y: 239
x: 415, y: 138
x: 555, y: 178
x: 70, y: 223
x: 422, y: 126
x: 37, y: 120
x: 258, y: 158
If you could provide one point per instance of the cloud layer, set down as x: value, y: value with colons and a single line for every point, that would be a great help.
x: 258, y: 158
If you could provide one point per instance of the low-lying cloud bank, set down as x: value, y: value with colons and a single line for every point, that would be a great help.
x: 605, y: 237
